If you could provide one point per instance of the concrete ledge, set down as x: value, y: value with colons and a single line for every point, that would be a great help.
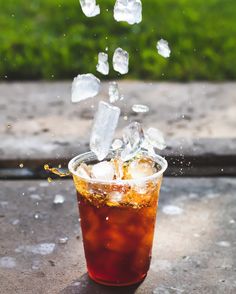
x: 38, y: 120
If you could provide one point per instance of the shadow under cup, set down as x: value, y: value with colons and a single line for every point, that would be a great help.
x: 117, y: 220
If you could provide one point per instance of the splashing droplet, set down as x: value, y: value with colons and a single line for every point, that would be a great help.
x: 56, y: 171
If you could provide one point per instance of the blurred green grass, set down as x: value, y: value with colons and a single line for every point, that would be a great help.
x: 52, y: 39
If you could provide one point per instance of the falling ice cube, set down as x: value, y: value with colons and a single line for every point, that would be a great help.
x: 133, y: 137
x: 85, y: 86
x: 105, y: 123
x: 103, y: 171
x: 103, y: 65
x: 89, y: 7
x: 113, y: 92
x: 128, y: 10
x: 163, y: 48
x: 139, y: 108
x: 155, y: 138
x: 121, y: 61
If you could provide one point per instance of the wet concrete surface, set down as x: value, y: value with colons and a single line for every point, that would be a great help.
x: 194, y: 249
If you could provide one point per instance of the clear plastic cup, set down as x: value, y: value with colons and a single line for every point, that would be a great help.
x: 117, y: 220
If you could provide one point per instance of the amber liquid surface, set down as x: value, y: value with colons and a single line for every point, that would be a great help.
x: 118, y: 238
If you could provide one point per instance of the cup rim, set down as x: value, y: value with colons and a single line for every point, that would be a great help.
x: 91, y: 156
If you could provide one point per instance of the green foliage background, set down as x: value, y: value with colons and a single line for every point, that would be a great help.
x: 52, y: 39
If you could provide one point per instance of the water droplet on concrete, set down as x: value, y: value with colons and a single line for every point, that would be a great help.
x: 63, y: 240
x: 59, y: 199
x: 7, y: 262
x: 223, y: 244
x: 41, y: 249
x: 172, y: 210
x: 35, y: 197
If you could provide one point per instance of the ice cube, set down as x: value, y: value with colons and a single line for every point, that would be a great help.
x: 128, y: 10
x: 116, y: 196
x: 121, y: 61
x: 84, y: 86
x: 155, y: 138
x: 103, y: 65
x: 113, y: 92
x: 149, y: 148
x: 89, y: 7
x: 117, y: 144
x: 83, y: 171
x: 103, y: 171
x: 163, y: 48
x: 141, y: 168
x: 172, y: 210
x: 133, y: 137
x: 139, y: 108
x: 59, y: 199
x: 105, y: 123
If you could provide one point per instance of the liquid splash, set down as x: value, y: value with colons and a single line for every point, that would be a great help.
x: 56, y: 171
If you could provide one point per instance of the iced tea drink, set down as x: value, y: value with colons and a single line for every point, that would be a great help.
x: 117, y: 220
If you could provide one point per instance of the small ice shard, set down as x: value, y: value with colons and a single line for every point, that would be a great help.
x: 121, y: 61
x: 4, y: 204
x: 32, y: 189
x: 105, y: 123
x: 103, y: 171
x: 84, y: 86
x: 172, y: 210
x: 163, y: 48
x: 44, y: 184
x: 141, y: 168
x: 128, y: 10
x: 35, y: 265
x: 113, y: 92
x: 117, y: 144
x: 63, y: 240
x: 83, y: 171
x: 90, y: 8
x: 7, y: 262
x: 15, y: 222
x: 139, y: 108
x: 59, y: 199
x: 42, y: 249
x: 155, y: 138
x: 35, y: 197
x: 133, y: 137
x: 103, y: 65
